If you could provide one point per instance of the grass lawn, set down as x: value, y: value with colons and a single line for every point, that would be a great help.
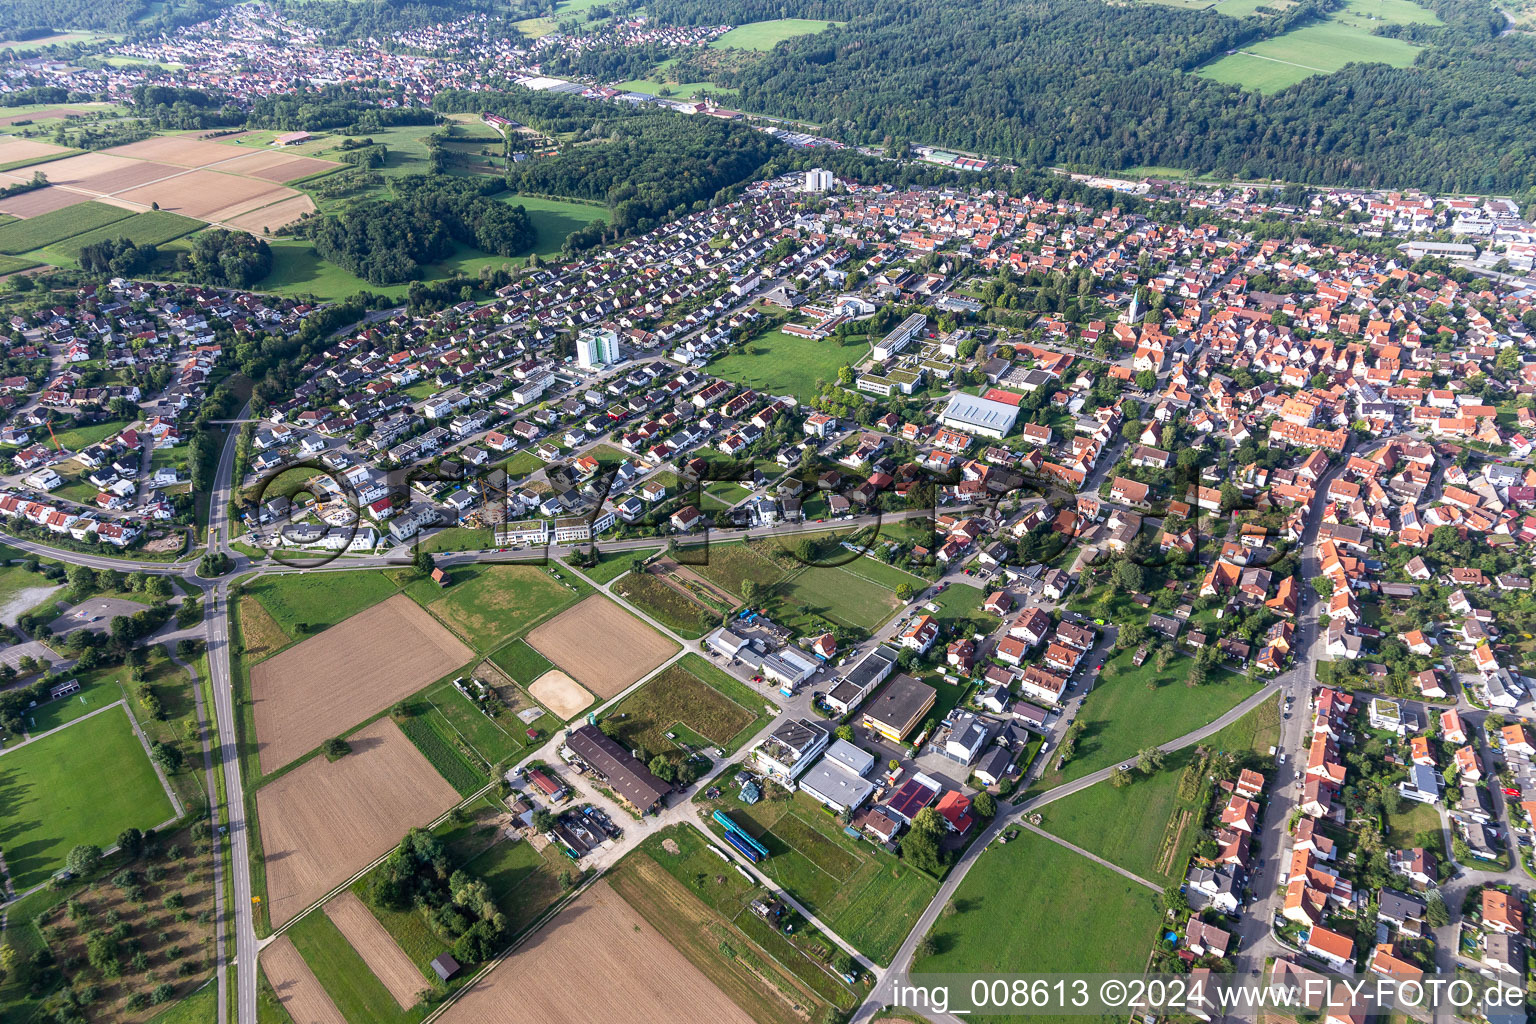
x: 523, y: 881
x: 1134, y: 826
x: 356, y: 990
x: 45, y: 229
x: 866, y: 895
x: 674, y: 90
x: 1324, y: 47
x: 613, y: 564
x: 553, y: 219
x: 842, y: 594
x: 521, y: 662
x: 765, y: 35
x: 94, y: 693
x: 782, y: 364
x: 696, y: 694
x: 488, y: 605
x: 1114, y: 920
x: 1121, y: 715
x: 54, y: 799
x: 298, y: 270
x: 319, y: 600
x: 958, y: 604
x: 1416, y: 825
x: 1246, y: 8
x: 200, y: 1007
x: 75, y: 438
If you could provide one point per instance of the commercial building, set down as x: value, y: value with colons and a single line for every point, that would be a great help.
x: 627, y: 776
x: 862, y: 679
x: 979, y: 415
x: 896, y: 710
x: 792, y: 747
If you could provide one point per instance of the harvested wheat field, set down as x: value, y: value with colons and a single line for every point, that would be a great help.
x: 326, y: 820
x: 560, y: 693
x: 296, y: 986
x: 13, y: 149
x: 378, y: 949
x: 136, y: 173
x: 41, y: 200
x: 279, y: 167
x: 72, y: 170
x: 273, y: 217
x: 203, y: 194
x: 51, y: 114
x: 621, y: 958
x: 181, y: 150
x: 602, y: 646
x: 357, y: 668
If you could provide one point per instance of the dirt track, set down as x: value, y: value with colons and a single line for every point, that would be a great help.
x: 623, y: 963
x: 325, y: 820
x: 296, y: 986
x: 357, y: 668
x: 378, y: 949
x: 602, y: 646
x: 560, y: 693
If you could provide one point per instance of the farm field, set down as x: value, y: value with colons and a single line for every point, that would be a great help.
x: 1324, y: 47
x: 630, y: 649
x: 342, y: 972
x: 782, y: 364
x: 312, y: 602
x: 381, y: 953
x: 14, y: 150
x: 151, y: 228
x: 697, y: 695
x: 1114, y: 919
x: 621, y: 957
x: 324, y: 820
x: 39, y: 201
x: 765, y: 35
x: 866, y: 895
x: 57, y: 225
x: 368, y: 662
x: 54, y: 800
x: 1120, y: 715
x: 1134, y: 827
x: 492, y: 739
x: 523, y: 881
x: 297, y: 988
x: 675, y: 90
x: 674, y: 882
x: 667, y: 605
x: 488, y: 605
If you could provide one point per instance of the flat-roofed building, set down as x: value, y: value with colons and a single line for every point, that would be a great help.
x: 979, y: 415
x: 896, y: 710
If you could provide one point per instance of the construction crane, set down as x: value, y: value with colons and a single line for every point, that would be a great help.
x: 51, y: 437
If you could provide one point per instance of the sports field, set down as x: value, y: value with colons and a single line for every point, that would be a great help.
x: 867, y: 896
x: 57, y: 225
x: 53, y: 796
x: 1114, y: 920
x: 1323, y: 47
x: 782, y: 364
x: 765, y: 35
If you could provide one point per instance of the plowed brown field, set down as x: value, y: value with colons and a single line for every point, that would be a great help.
x: 602, y: 646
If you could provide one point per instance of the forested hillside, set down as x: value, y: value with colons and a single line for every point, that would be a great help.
x: 1108, y: 86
